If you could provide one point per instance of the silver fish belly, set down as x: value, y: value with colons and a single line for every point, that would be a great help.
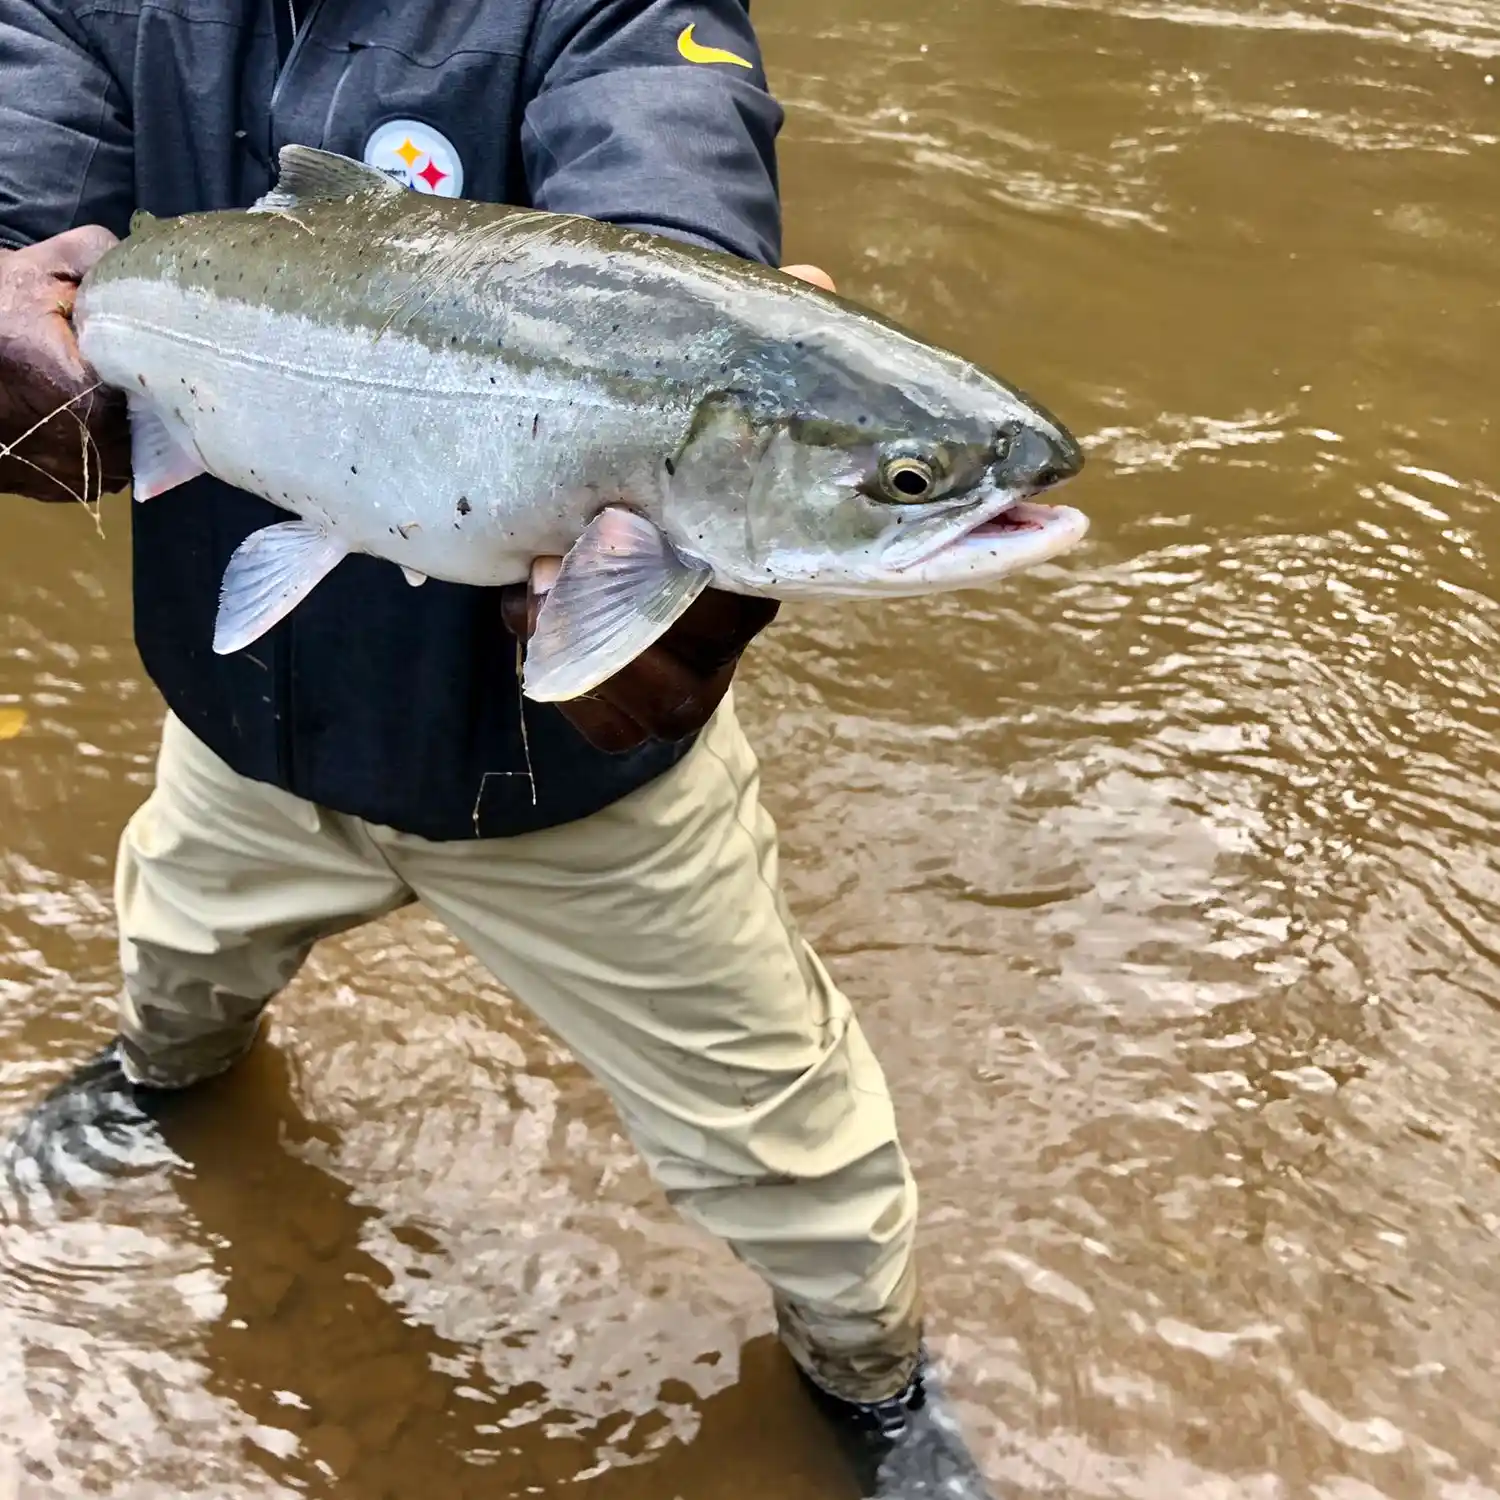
x: 444, y: 461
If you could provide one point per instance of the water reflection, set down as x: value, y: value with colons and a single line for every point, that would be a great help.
x: 1163, y: 880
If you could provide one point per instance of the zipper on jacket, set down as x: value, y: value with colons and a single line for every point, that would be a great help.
x: 296, y: 35
x: 284, y: 20
x: 291, y: 23
x: 290, y: 36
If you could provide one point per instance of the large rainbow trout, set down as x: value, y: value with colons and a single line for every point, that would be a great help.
x: 461, y: 388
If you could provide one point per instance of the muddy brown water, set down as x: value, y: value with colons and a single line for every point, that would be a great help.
x: 1164, y: 880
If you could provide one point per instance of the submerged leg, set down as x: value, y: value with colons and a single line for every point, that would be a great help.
x: 222, y: 887
x: 654, y: 939
x: 93, y: 1128
x: 907, y: 1447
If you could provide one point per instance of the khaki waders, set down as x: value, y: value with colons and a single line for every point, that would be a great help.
x: 652, y: 938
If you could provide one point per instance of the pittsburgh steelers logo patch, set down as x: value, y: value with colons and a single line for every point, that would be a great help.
x: 417, y: 156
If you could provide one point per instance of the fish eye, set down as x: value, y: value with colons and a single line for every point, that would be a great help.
x: 907, y: 480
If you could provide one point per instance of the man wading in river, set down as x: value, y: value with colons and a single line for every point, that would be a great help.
x: 331, y: 775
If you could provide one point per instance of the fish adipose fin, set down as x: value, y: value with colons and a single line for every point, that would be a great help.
x: 159, y: 460
x: 620, y: 587
x: 308, y: 175
x: 272, y: 571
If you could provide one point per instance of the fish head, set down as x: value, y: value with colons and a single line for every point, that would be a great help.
x: 875, y: 465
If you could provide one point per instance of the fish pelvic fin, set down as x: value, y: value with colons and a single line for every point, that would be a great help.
x: 272, y: 571
x: 619, y: 589
x: 161, y: 458
x: 308, y: 175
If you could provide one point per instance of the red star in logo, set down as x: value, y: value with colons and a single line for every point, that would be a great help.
x: 430, y: 174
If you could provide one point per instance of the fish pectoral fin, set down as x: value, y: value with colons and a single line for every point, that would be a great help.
x: 620, y: 587
x: 308, y: 175
x: 160, y: 459
x: 271, y: 572
x: 414, y: 578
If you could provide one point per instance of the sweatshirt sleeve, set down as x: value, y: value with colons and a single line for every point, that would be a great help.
x: 65, y: 142
x: 655, y: 114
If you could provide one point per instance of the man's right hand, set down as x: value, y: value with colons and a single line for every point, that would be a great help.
x: 41, y: 370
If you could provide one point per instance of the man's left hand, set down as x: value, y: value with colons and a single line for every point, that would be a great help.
x: 673, y: 687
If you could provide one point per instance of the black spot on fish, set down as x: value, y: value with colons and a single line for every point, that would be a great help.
x: 354, y: 468
x: 463, y: 505
x: 671, y: 467
x: 142, y: 380
x: 534, y: 422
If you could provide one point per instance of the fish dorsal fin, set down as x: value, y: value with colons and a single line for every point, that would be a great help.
x: 308, y: 175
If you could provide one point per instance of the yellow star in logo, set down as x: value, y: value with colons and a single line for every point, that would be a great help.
x: 408, y: 153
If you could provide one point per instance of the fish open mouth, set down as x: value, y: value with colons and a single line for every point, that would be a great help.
x: 1024, y: 515
x: 1024, y: 534
x: 1029, y: 528
x: 1013, y: 534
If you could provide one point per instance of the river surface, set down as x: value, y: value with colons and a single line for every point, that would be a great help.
x: 1165, y: 880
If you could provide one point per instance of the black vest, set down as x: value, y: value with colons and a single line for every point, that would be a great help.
x: 394, y: 704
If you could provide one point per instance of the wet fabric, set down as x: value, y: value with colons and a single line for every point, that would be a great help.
x: 653, y: 938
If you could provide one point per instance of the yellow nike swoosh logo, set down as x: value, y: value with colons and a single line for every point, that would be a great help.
x: 696, y: 52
